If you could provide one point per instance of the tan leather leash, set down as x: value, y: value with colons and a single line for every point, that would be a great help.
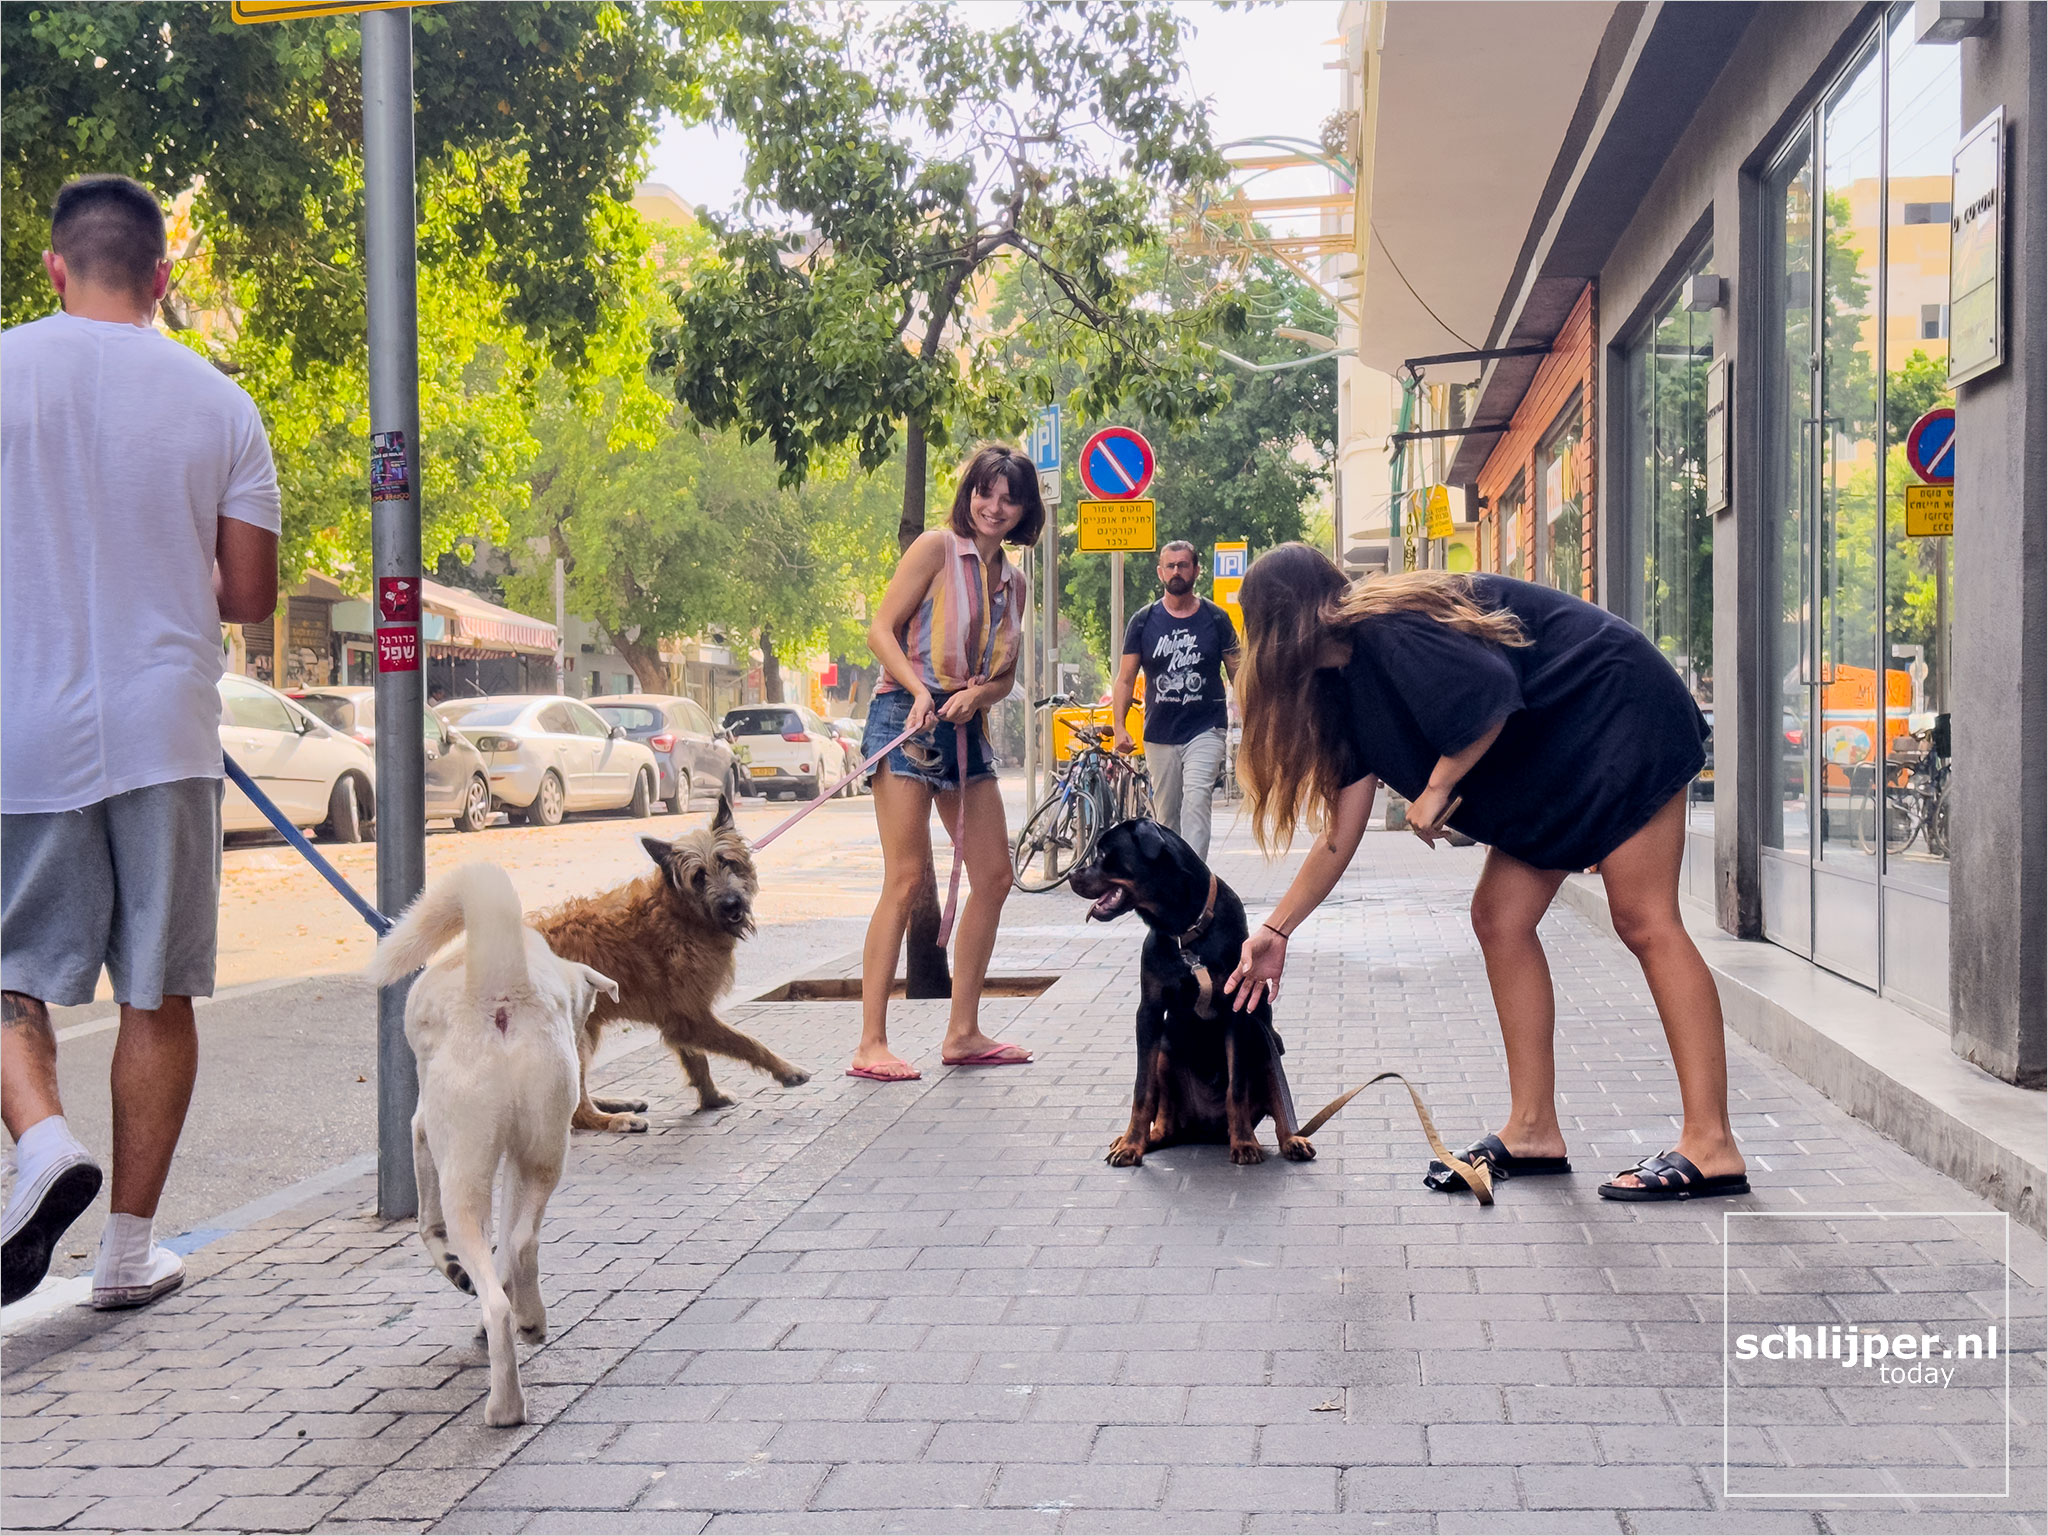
x: 1205, y: 1003
x: 1475, y: 1175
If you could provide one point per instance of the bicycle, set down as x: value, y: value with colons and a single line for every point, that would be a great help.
x: 1915, y: 798
x: 1098, y: 788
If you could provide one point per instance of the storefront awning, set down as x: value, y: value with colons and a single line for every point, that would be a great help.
x: 476, y: 622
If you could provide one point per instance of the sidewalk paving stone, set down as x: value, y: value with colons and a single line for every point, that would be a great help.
x: 932, y: 1307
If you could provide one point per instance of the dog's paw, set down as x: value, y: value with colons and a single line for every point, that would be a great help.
x: 1247, y: 1152
x: 795, y: 1077
x: 631, y: 1125
x: 505, y: 1412
x: 533, y: 1333
x: 458, y: 1277
x: 1124, y: 1154
x: 711, y: 1101
x: 621, y: 1106
x: 1298, y: 1149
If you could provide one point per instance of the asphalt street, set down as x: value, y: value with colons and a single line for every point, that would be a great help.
x: 287, y: 1079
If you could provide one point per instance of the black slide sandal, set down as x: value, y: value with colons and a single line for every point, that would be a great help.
x: 1500, y: 1163
x: 1668, y: 1176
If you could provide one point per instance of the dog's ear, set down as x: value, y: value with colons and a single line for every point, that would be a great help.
x: 721, y: 819
x: 657, y: 850
x: 1150, y: 844
x: 596, y: 980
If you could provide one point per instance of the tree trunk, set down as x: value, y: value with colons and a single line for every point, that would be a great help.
x: 771, y: 666
x: 925, y: 972
x: 911, y: 524
x: 646, y: 662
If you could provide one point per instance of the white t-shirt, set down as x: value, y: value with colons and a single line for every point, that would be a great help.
x: 119, y: 451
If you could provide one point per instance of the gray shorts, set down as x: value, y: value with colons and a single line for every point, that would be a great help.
x: 132, y: 883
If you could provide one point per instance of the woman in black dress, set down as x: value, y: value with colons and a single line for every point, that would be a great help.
x: 1540, y: 725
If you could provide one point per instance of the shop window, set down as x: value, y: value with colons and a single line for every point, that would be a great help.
x: 1925, y: 213
x: 1934, y: 322
x: 1511, y: 563
x: 1563, y: 508
x: 1670, y: 536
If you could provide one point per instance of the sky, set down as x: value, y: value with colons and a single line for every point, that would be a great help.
x: 1261, y: 68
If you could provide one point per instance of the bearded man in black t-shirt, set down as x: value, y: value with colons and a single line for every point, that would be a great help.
x: 1186, y: 645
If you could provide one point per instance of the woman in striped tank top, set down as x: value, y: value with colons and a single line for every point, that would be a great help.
x: 948, y: 634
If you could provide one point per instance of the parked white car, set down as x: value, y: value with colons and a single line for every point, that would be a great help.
x: 550, y: 754
x: 787, y: 750
x: 318, y: 776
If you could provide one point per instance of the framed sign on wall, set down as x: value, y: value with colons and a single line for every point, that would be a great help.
x: 1976, y: 253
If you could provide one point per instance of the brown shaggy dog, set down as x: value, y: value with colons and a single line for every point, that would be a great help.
x: 668, y: 940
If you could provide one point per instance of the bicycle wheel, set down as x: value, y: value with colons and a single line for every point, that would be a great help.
x: 1937, y: 825
x: 1901, y: 818
x: 1059, y: 837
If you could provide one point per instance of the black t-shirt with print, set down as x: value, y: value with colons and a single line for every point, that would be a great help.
x: 1183, y: 662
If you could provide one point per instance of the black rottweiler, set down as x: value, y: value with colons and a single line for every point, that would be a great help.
x: 1206, y: 1073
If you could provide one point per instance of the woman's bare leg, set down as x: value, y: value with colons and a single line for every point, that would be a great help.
x: 984, y: 842
x: 1509, y: 902
x: 903, y: 809
x: 1642, y: 898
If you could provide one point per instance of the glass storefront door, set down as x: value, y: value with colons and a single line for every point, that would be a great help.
x: 1855, y: 834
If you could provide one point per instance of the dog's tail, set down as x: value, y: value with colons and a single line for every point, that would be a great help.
x: 477, y: 901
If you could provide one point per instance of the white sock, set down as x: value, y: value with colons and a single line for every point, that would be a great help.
x: 124, y: 1247
x: 47, y: 1138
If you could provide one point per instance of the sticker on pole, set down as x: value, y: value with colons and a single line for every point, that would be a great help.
x: 398, y: 600
x: 390, y: 478
x: 1118, y: 527
x: 398, y: 650
x: 1931, y: 446
x: 1116, y: 464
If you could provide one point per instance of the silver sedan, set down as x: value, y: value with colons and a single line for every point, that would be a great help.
x: 550, y: 754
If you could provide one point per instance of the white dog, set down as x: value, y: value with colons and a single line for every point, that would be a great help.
x: 494, y: 1031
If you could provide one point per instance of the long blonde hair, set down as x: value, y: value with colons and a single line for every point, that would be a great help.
x: 1296, y: 604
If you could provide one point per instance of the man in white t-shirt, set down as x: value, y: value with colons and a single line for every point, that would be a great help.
x: 138, y: 510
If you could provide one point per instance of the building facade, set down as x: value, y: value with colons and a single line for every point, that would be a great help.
x: 1761, y: 244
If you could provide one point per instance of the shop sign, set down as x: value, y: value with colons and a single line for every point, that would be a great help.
x: 1930, y: 511
x: 1118, y: 527
x: 1439, y: 509
x: 1976, y: 253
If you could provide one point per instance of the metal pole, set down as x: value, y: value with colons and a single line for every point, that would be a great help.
x: 1028, y: 665
x: 390, y: 217
x: 561, y: 634
x: 1116, y: 607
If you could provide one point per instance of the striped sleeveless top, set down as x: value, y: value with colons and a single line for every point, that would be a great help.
x: 971, y: 623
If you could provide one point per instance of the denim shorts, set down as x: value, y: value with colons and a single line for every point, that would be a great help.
x: 886, y: 717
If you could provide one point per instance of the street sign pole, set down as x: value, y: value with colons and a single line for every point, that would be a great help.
x: 390, y: 218
x: 1116, y: 607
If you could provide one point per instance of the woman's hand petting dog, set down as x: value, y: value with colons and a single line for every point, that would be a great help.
x: 1258, y: 970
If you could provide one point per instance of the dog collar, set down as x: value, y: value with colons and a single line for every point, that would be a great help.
x: 1205, y: 1002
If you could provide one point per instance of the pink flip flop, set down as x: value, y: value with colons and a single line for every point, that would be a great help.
x: 1001, y: 1054
x: 909, y: 1075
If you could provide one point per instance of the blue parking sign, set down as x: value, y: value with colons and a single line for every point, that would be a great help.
x: 1043, y: 441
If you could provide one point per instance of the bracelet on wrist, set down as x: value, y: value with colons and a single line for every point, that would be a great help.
x: 1271, y: 929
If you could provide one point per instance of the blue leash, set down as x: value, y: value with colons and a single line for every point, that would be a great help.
x: 377, y: 920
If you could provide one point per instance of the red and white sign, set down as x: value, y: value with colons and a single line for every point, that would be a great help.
x: 398, y: 600
x: 1117, y: 464
x: 398, y: 650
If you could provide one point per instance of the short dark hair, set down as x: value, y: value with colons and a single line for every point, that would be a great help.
x: 990, y: 461
x: 110, y: 231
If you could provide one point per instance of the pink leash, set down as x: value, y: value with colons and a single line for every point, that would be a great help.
x: 953, y: 881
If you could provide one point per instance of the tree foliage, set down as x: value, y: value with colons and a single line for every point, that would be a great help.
x: 889, y: 163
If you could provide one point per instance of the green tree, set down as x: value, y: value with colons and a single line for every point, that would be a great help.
x: 889, y: 165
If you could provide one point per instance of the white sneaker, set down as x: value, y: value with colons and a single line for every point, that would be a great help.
x: 137, y: 1286
x: 54, y: 1195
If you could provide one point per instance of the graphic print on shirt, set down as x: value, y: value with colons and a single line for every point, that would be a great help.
x: 1179, y: 678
